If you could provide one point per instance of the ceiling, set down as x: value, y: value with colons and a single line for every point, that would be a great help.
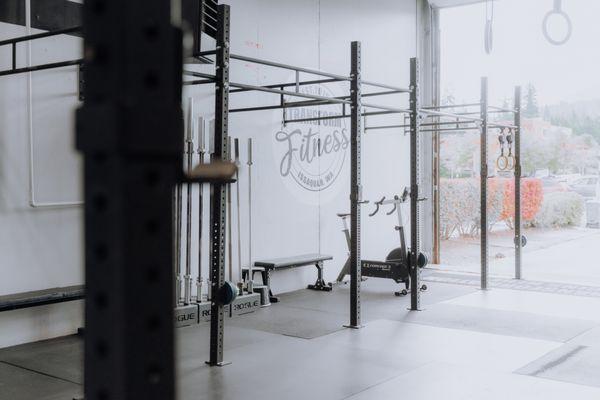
x: 453, y: 3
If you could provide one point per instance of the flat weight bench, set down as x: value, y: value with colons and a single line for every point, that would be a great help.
x: 265, y: 267
x: 37, y: 298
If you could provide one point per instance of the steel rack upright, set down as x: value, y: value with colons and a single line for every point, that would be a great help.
x: 356, y: 110
x: 441, y: 119
x: 467, y: 121
x: 129, y: 130
x: 352, y: 102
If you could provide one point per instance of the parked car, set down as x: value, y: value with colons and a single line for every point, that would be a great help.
x: 568, y: 178
x: 551, y: 184
x: 585, y: 186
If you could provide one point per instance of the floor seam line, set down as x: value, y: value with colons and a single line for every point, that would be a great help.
x: 387, y: 380
x: 555, y: 380
x: 582, y: 333
x: 39, y: 372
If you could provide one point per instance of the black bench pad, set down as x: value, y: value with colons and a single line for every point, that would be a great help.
x: 291, y: 262
x: 41, y: 297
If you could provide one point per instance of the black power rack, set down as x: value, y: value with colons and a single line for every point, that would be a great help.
x: 129, y: 181
x: 358, y: 111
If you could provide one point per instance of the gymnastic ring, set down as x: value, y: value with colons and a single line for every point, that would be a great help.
x: 489, y: 37
x: 569, y: 27
x: 502, y: 163
x: 510, y: 163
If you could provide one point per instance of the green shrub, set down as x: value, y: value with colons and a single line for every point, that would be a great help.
x: 459, y: 207
x: 460, y: 204
x: 560, y: 209
x: 495, y: 201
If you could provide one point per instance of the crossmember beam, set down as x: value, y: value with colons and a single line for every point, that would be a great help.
x: 14, y: 41
x: 289, y: 67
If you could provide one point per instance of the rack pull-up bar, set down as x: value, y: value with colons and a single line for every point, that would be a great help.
x: 385, y: 93
x: 288, y: 93
x: 279, y: 106
x: 365, y: 114
x: 386, y: 108
x: 290, y: 67
x: 198, y: 82
x: 199, y: 75
x: 40, y: 35
x: 471, y: 128
x: 450, y: 106
x: 385, y: 86
x: 444, y: 123
x: 13, y: 43
x: 42, y: 67
x: 291, y: 84
x: 379, y: 127
x: 433, y: 113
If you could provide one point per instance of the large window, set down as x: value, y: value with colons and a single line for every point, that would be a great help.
x: 560, y: 145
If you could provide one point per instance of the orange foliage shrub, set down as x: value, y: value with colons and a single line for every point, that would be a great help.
x: 459, y: 206
x: 532, y: 195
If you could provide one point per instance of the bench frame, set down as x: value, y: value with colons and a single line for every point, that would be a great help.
x: 36, y: 298
x: 319, y: 285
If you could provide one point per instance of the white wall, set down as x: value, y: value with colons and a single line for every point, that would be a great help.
x: 287, y: 219
x: 41, y: 248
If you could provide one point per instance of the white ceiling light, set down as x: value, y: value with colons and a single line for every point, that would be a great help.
x: 452, y: 3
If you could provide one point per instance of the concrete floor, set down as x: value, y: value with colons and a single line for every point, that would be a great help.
x: 551, y: 255
x: 466, y: 344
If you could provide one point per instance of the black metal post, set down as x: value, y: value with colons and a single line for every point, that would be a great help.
x: 40, y: 35
x: 14, y: 41
x: 483, y: 182
x: 14, y: 56
x: 219, y: 190
x: 415, y: 175
x: 282, y: 86
x: 40, y: 67
x: 518, y: 174
x: 130, y: 133
x: 355, y: 184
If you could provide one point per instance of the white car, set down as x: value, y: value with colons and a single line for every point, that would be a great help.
x: 585, y: 186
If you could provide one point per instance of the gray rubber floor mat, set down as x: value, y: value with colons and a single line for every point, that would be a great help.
x: 193, y: 342
x: 17, y: 383
x: 501, y: 322
x: 291, y: 369
x: 377, y: 299
x: 292, y: 321
x: 61, y: 358
x: 571, y: 363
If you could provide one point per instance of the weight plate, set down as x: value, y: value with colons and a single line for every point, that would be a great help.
x: 423, y: 260
x: 523, y: 241
x: 227, y: 293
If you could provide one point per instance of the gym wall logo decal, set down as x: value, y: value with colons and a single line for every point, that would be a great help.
x: 312, y: 154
